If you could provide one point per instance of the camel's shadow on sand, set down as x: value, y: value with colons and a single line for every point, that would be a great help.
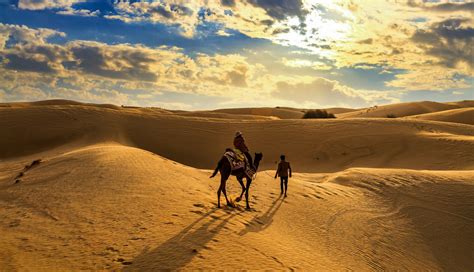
x: 180, y: 249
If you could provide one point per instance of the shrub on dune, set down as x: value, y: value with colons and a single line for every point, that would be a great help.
x: 318, y: 114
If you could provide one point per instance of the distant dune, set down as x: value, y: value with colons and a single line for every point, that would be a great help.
x: 404, y: 109
x: 314, y: 145
x: 463, y: 104
x: 463, y: 116
x: 339, y: 110
x: 127, y: 188
x: 57, y: 102
x: 221, y: 115
x: 279, y: 112
x: 282, y: 113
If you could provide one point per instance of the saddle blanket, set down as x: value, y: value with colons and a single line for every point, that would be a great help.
x: 234, y: 160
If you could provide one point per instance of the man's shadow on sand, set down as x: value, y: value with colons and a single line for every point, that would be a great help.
x: 261, y: 222
x: 180, y: 249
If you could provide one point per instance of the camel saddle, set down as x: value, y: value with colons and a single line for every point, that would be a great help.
x: 237, y: 160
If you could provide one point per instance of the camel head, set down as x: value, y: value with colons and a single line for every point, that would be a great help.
x: 258, y: 159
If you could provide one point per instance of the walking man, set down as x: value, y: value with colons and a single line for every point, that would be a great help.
x: 283, y: 171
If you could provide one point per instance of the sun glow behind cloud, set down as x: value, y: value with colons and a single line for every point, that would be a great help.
x: 326, y: 23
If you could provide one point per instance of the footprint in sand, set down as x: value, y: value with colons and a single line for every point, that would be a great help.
x: 110, y: 248
x: 14, y: 223
x: 122, y: 260
x: 197, y: 212
x: 26, y: 168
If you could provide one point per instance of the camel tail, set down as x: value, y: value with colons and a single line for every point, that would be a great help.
x: 219, y: 165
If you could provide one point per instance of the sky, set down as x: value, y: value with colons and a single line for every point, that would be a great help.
x: 208, y: 54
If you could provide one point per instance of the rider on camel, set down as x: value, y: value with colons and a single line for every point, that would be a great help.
x: 239, y: 143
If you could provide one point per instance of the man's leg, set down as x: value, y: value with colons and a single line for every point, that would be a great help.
x: 281, y: 184
x: 286, y: 185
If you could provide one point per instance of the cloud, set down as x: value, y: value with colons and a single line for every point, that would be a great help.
x: 280, y: 9
x: 325, y: 92
x: 304, y: 63
x: 174, y: 13
x: 27, y: 86
x: 119, y: 61
x: 429, y: 79
x: 442, y: 7
x: 451, y: 41
x: 255, y: 18
x: 44, y: 4
x: 18, y: 62
x: 163, y: 65
x: 22, y: 34
x: 79, y: 12
x: 366, y: 41
x: 82, y: 68
x: 22, y: 93
x: 19, y: 53
x: 228, y: 3
x: 430, y: 54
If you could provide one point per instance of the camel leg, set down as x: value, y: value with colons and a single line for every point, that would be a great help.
x: 224, y: 177
x: 241, y: 182
x: 219, y: 196
x: 249, y: 181
x: 225, y: 195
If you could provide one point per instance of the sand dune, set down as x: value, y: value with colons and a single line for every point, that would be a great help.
x: 221, y: 115
x: 57, y: 102
x: 282, y: 113
x: 404, y: 109
x: 109, y: 206
x: 313, y: 145
x: 397, y: 110
x: 339, y: 110
x: 463, y: 104
x: 279, y: 112
x: 463, y: 116
x: 119, y: 188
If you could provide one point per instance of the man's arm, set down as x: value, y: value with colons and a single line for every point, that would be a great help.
x: 289, y: 168
x: 278, y: 170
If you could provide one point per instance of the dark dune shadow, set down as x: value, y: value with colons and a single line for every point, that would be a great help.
x: 259, y: 223
x: 180, y: 249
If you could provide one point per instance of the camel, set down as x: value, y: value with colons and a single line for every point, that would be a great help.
x: 224, y: 167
